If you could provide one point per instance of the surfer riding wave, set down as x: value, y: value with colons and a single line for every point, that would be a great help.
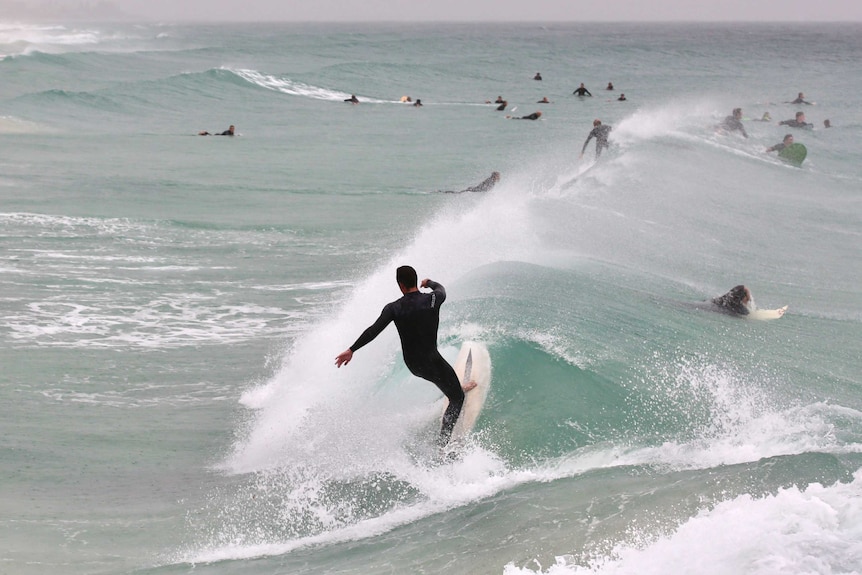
x: 417, y: 316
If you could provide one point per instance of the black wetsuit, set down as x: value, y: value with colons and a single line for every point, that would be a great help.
x: 486, y: 185
x: 581, y: 92
x: 600, y: 133
x: 777, y: 147
x: 733, y: 124
x: 732, y: 301
x: 796, y: 124
x: 417, y: 316
x: 225, y: 133
x: 533, y: 116
x: 799, y: 101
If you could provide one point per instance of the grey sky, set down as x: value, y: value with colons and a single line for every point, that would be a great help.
x: 520, y: 10
x: 482, y: 10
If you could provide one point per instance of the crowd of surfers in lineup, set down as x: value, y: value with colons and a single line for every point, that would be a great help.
x: 732, y: 124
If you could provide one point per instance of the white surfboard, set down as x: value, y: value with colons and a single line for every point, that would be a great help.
x: 765, y: 314
x: 473, y: 364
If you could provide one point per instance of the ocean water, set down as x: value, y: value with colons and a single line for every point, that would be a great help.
x: 172, y: 304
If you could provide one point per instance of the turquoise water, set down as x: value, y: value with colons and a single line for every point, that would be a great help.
x: 172, y: 304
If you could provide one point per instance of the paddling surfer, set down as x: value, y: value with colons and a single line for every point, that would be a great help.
x: 417, y: 315
x: 484, y: 186
x: 736, y: 301
x: 228, y: 132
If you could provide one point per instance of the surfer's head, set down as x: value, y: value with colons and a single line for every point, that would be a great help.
x: 737, y: 112
x: 800, y: 116
x: 495, y: 176
x: 406, y: 277
x: 740, y: 294
x: 788, y: 139
x: 597, y: 122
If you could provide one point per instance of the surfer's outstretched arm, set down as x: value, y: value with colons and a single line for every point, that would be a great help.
x: 367, y: 336
x: 584, y: 149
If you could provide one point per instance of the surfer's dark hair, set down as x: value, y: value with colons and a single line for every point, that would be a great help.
x: 406, y: 276
x: 737, y: 293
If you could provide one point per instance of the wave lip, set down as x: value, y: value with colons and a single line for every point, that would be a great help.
x: 294, y: 88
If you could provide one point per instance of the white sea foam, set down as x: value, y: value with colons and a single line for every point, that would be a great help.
x: 22, y: 39
x: 294, y: 88
x: 815, y: 530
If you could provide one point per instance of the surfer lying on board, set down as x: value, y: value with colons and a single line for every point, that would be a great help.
x: 736, y: 301
x: 416, y: 315
x: 533, y: 116
x: 485, y: 186
x: 797, y: 122
x: 800, y: 99
x: 788, y: 140
x: 600, y: 133
x: 228, y: 132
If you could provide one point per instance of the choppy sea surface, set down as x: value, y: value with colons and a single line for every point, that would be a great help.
x: 171, y: 305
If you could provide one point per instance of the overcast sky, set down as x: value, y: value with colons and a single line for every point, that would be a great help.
x: 484, y: 10
x: 507, y: 10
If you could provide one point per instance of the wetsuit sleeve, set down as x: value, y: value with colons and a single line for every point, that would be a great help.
x: 590, y: 137
x: 374, y: 329
x: 439, y: 290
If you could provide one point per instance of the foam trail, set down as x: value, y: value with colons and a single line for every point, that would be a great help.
x: 294, y: 88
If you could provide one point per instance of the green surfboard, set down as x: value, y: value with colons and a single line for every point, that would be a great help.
x: 794, y: 154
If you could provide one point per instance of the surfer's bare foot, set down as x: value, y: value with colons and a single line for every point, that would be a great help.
x: 469, y: 385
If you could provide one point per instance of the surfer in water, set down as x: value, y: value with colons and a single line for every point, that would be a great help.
x: 417, y: 315
x: 485, y: 186
x: 736, y: 301
x: 581, y: 91
x: 800, y: 99
x: 797, y: 122
x: 733, y: 123
x: 600, y: 133
x: 228, y: 132
x: 534, y: 116
x: 787, y: 141
x: 352, y: 99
